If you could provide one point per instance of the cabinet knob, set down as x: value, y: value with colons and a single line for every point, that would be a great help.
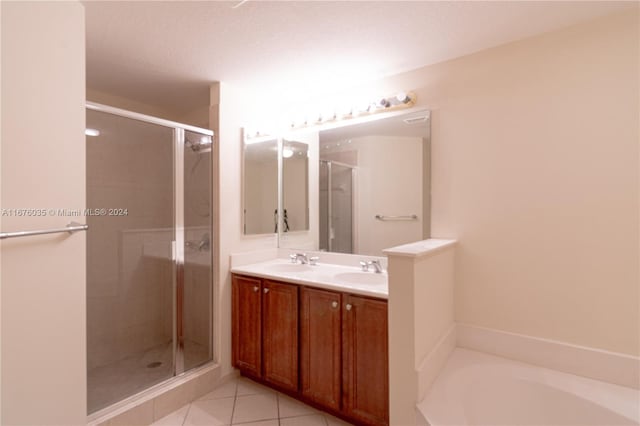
x: 266, y: 290
x: 334, y: 304
x: 348, y: 306
x: 255, y: 288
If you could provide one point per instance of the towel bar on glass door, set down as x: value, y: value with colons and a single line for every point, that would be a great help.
x: 70, y: 228
x: 407, y: 217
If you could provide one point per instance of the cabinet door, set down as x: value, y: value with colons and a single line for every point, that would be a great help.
x: 280, y: 334
x: 246, y: 320
x: 365, y: 355
x: 320, y: 346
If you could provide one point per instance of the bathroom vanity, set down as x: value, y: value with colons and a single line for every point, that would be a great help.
x: 316, y: 338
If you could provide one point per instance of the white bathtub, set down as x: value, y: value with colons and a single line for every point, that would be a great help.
x: 480, y: 389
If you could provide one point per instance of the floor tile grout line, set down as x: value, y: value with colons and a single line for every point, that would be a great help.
x: 186, y: 414
x: 235, y: 399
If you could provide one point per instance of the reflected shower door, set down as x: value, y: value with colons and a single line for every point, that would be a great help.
x: 342, y: 208
x: 324, y: 206
x: 130, y: 271
x: 194, y: 292
x: 336, y: 207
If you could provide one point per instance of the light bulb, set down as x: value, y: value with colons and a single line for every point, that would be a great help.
x: 403, y: 98
x: 92, y: 132
x: 287, y: 153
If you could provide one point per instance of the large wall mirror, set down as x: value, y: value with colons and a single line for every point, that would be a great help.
x: 260, y: 185
x: 369, y: 186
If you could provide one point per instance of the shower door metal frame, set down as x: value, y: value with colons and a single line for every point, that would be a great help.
x: 178, y: 215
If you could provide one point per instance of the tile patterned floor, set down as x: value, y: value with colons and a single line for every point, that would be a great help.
x: 244, y: 402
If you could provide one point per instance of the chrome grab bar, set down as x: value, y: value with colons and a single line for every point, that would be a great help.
x: 70, y: 228
x: 407, y: 217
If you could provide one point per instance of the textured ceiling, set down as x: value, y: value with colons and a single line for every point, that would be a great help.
x: 167, y: 53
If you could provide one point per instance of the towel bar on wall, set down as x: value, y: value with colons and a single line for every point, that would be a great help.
x: 70, y: 228
x: 406, y: 217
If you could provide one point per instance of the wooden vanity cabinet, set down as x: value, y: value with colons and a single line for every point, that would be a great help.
x: 265, y: 330
x: 344, y: 361
x: 246, y: 320
x: 321, y: 346
x: 337, y: 342
x: 280, y: 334
x: 365, y: 360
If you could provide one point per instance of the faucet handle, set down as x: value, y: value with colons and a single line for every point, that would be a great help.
x: 364, y: 265
x: 293, y: 258
x: 313, y: 260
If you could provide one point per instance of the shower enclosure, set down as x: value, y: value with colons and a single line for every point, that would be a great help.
x: 336, y: 207
x: 149, y: 258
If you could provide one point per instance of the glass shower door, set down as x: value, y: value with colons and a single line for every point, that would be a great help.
x: 194, y: 289
x: 130, y: 271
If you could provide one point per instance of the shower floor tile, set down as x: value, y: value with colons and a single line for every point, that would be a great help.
x: 113, y: 382
x: 244, y: 402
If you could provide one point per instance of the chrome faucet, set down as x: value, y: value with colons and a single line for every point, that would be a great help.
x: 377, y: 267
x: 302, y: 257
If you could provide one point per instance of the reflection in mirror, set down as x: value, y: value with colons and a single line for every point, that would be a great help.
x: 295, y: 186
x: 337, y: 181
x: 373, y: 185
x: 260, y: 185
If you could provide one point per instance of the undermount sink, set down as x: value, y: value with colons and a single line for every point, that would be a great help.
x: 362, y: 278
x: 288, y: 267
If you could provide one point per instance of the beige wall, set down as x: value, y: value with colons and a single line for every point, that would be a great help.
x: 535, y: 172
x: 227, y: 121
x: 43, y: 157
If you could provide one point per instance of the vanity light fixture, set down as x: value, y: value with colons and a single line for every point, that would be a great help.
x: 399, y: 101
x: 91, y: 132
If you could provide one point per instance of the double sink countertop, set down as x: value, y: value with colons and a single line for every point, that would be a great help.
x: 348, y: 279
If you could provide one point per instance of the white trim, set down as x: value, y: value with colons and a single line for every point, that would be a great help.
x: 612, y: 367
x: 435, y: 360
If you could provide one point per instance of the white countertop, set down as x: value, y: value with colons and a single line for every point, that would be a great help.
x: 328, y: 276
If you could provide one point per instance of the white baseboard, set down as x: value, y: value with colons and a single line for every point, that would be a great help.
x: 612, y: 367
x: 433, y: 363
